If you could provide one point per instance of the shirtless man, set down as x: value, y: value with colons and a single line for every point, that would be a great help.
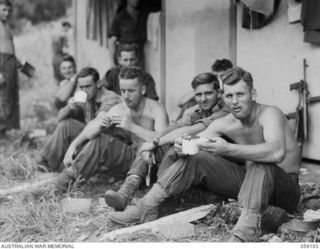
x: 9, y: 90
x: 262, y: 138
x: 129, y: 124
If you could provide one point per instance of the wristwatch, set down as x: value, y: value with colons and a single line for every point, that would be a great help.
x: 156, y: 142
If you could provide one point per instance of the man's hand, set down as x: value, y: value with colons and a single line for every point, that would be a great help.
x: 178, y: 145
x: 147, y: 146
x: 146, y: 152
x: 148, y: 157
x: 123, y: 122
x: 68, y: 157
x: 72, y: 104
x: 104, y: 120
x: 216, y: 146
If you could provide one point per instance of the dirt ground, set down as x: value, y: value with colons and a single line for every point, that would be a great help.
x: 24, y: 218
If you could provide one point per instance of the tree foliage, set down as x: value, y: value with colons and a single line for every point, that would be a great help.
x: 37, y: 11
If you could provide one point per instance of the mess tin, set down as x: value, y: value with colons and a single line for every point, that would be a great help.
x: 189, y: 145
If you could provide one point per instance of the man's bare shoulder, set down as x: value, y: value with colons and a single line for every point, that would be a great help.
x: 270, y: 111
x: 224, y: 122
x: 154, y: 106
x: 121, y: 107
x: 118, y: 109
x: 227, y: 118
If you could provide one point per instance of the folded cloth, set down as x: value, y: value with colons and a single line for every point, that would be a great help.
x: 265, y: 7
x: 311, y: 215
x: 294, y: 11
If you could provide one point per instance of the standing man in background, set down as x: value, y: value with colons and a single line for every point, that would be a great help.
x: 127, y: 55
x: 9, y: 88
x: 129, y: 26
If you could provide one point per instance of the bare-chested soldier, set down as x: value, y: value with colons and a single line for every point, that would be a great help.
x: 113, y: 138
x: 262, y: 138
x: 9, y: 92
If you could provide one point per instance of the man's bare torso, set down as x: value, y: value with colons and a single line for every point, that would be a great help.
x: 253, y: 134
x: 144, y: 118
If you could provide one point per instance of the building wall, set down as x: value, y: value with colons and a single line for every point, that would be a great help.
x: 153, y: 61
x: 197, y: 33
x: 274, y: 55
x: 88, y: 52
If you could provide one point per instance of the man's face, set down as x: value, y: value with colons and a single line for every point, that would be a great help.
x: 206, y: 96
x: 239, y: 98
x: 132, y: 92
x: 67, y: 69
x: 127, y: 58
x: 133, y: 3
x: 87, y: 85
x: 5, y: 11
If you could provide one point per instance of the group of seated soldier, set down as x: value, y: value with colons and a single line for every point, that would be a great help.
x: 249, y: 152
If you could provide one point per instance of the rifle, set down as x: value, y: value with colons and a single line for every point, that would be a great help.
x: 301, y: 114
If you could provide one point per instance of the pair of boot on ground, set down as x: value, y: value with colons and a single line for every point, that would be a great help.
x: 247, y: 228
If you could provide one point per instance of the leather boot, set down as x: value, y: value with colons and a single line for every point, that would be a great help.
x: 145, y: 210
x: 63, y: 180
x: 58, y: 185
x: 247, y: 228
x: 119, y: 200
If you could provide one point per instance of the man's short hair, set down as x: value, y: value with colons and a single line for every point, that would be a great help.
x: 234, y: 75
x: 205, y: 78
x: 132, y: 72
x: 126, y: 48
x: 6, y: 2
x: 89, y: 71
x: 221, y: 65
x: 64, y: 24
x: 68, y: 58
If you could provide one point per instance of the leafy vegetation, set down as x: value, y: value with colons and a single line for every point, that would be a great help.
x: 37, y: 11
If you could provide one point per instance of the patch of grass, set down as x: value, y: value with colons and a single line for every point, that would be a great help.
x: 24, y: 219
x: 16, y: 160
x: 31, y: 221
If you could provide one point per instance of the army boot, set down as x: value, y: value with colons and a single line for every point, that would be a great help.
x: 119, y: 200
x: 247, y: 228
x: 145, y: 210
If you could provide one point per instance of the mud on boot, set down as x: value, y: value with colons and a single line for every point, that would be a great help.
x: 119, y: 200
x: 247, y: 228
x: 133, y: 214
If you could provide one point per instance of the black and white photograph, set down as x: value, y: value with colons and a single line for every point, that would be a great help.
x: 133, y: 122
